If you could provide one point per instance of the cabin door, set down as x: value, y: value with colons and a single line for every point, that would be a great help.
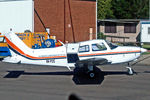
x: 72, y: 52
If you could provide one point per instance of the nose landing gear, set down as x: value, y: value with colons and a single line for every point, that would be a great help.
x: 130, y: 71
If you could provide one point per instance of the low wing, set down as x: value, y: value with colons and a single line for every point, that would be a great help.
x: 91, y: 62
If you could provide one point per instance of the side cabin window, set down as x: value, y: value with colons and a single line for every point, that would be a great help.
x: 98, y: 47
x: 2, y: 40
x: 84, y: 48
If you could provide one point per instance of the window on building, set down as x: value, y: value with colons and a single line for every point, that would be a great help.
x: 84, y: 48
x: 130, y: 27
x: 148, y: 30
x: 110, y: 27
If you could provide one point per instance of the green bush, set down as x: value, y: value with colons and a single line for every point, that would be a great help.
x: 101, y: 35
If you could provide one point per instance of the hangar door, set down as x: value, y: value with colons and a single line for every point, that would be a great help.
x: 16, y: 14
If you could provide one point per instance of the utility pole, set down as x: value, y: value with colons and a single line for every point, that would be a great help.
x: 96, y: 18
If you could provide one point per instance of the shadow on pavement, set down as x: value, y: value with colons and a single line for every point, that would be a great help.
x: 16, y: 74
x: 147, y: 72
x: 79, y: 75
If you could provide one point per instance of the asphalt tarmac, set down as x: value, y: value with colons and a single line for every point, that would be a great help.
x: 31, y: 82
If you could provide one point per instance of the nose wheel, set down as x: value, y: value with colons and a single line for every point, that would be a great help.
x: 130, y: 71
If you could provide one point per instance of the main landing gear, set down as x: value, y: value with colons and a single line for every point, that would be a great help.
x: 91, y: 72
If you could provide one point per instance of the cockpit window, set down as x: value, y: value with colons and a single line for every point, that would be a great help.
x: 111, y: 45
x: 98, y: 47
x: 84, y: 48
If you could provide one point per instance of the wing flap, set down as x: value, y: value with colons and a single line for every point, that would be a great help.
x: 92, y: 62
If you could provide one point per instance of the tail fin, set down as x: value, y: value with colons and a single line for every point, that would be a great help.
x: 16, y: 45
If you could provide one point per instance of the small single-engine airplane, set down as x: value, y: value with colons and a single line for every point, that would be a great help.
x: 87, y: 54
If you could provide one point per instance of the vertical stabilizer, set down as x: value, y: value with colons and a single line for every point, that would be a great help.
x: 17, y: 47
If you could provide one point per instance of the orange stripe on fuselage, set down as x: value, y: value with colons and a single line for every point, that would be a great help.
x: 107, y: 53
x: 22, y: 53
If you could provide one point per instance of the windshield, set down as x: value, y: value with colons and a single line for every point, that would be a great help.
x: 111, y: 45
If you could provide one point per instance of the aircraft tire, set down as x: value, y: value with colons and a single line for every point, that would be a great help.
x: 91, y: 74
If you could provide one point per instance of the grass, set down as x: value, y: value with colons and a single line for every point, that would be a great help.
x: 146, y: 53
x: 146, y: 46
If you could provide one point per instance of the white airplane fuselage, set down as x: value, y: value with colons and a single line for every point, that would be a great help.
x: 60, y: 56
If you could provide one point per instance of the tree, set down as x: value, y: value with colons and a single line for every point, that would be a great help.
x: 140, y: 9
x: 101, y: 35
x: 130, y: 9
x: 121, y: 9
x: 104, y: 9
